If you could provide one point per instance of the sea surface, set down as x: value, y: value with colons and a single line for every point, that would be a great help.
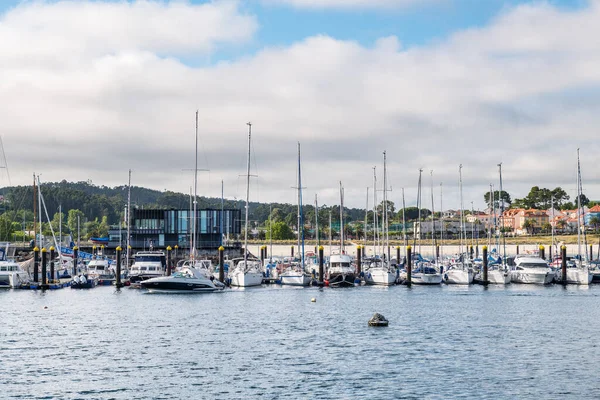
x: 272, y: 342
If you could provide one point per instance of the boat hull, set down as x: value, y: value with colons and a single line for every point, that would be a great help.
x: 426, y: 279
x: 539, y: 277
x: 341, y: 279
x: 458, y: 277
x: 246, y: 279
x: 177, y: 287
x: 380, y: 276
x: 13, y: 279
x: 576, y: 276
x: 295, y: 279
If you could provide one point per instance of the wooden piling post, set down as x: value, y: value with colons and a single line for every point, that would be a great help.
x: 321, y: 272
x: 292, y: 251
x: 471, y: 252
x: 550, y: 253
x: 437, y: 251
x: 52, y: 255
x: 408, y: 265
x: 262, y: 255
x: 36, y: 264
x: 169, y: 260
x: 542, y: 252
x: 517, y: 249
x: 222, y: 264
x: 75, y: 260
x: 44, y: 271
x: 563, y: 259
x: 397, y: 255
x: 485, y: 265
x: 358, y: 260
x: 118, y: 282
x: 591, y: 252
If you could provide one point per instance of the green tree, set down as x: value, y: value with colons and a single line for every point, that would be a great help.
x: 6, y: 227
x: 72, y: 220
x: 505, y: 198
x: 595, y: 222
x: 529, y: 225
x: 546, y: 227
x: 280, y: 231
x: 583, y: 200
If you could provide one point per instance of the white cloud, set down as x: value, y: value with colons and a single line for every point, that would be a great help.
x: 351, y: 4
x: 522, y: 90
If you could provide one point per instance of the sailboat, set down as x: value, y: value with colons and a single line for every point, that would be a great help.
x: 295, y: 274
x: 246, y: 272
x: 579, y: 274
x: 458, y: 272
x: 379, y: 271
x: 499, y: 274
x: 425, y: 272
x: 341, y: 272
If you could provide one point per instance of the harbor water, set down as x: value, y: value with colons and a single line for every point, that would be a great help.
x: 518, y: 341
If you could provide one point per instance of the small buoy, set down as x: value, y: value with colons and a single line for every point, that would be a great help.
x: 45, y: 307
x: 313, y: 300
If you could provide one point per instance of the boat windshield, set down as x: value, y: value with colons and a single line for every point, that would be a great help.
x: 147, y: 258
x: 533, y: 265
x: 184, y: 274
x: 340, y: 265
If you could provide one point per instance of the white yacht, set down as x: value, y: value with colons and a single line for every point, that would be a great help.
x: 187, y: 280
x: 340, y: 271
x: 578, y: 273
x: 458, y: 274
x: 295, y: 275
x: 99, y: 268
x: 11, y: 274
x: 245, y: 272
x: 146, y: 265
x: 205, y: 267
x: 531, y: 269
x: 426, y: 274
x: 378, y: 272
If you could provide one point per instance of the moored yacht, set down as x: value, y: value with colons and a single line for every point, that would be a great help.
x: 531, y: 269
x: 340, y: 271
x: 295, y: 275
x: 458, y: 274
x: 426, y: 274
x: 99, y: 268
x: 245, y: 273
x: 146, y: 265
x: 378, y: 272
x: 11, y: 274
x: 187, y: 280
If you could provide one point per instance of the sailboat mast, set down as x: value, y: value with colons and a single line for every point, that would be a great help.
x: 270, y: 233
x: 552, y: 224
x: 419, y: 209
x: 317, y: 221
x: 247, y: 198
x: 195, y: 219
x: 299, y: 200
x: 375, y: 224
x: 59, y: 227
x: 222, y: 212
x: 375, y: 215
x: 366, y: 217
x: 128, y: 221
x: 34, y: 212
x: 441, y: 223
x: 385, y: 208
x: 330, y: 234
x: 432, y: 219
x: 39, y: 193
x: 461, y: 208
x: 341, y: 218
x: 404, y: 222
x: 300, y: 206
x: 579, y: 210
x: 501, y: 200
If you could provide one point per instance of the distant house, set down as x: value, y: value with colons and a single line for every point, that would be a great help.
x: 593, y: 212
x: 515, y: 219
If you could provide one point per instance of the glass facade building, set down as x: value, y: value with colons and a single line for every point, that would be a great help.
x: 162, y: 228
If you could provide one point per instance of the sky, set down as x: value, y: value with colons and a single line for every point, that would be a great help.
x: 91, y: 89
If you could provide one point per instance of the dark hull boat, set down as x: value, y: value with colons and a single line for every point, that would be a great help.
x: 341, y: 279
x: 188, y: 280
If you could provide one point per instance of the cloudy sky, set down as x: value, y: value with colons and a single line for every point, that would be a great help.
x: 90, y: 89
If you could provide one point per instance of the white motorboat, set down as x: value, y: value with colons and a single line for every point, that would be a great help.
x: 245, y: 273
x: 11, y: 274
x: 341, y: 272
x: 146, y: 265
x: 378, y: 272
x: 99, y: 268
x: 186, y: 280
x: 205, y: 267
x: 531, y: 269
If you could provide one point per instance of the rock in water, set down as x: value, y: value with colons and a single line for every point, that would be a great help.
x: 378, y: 320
